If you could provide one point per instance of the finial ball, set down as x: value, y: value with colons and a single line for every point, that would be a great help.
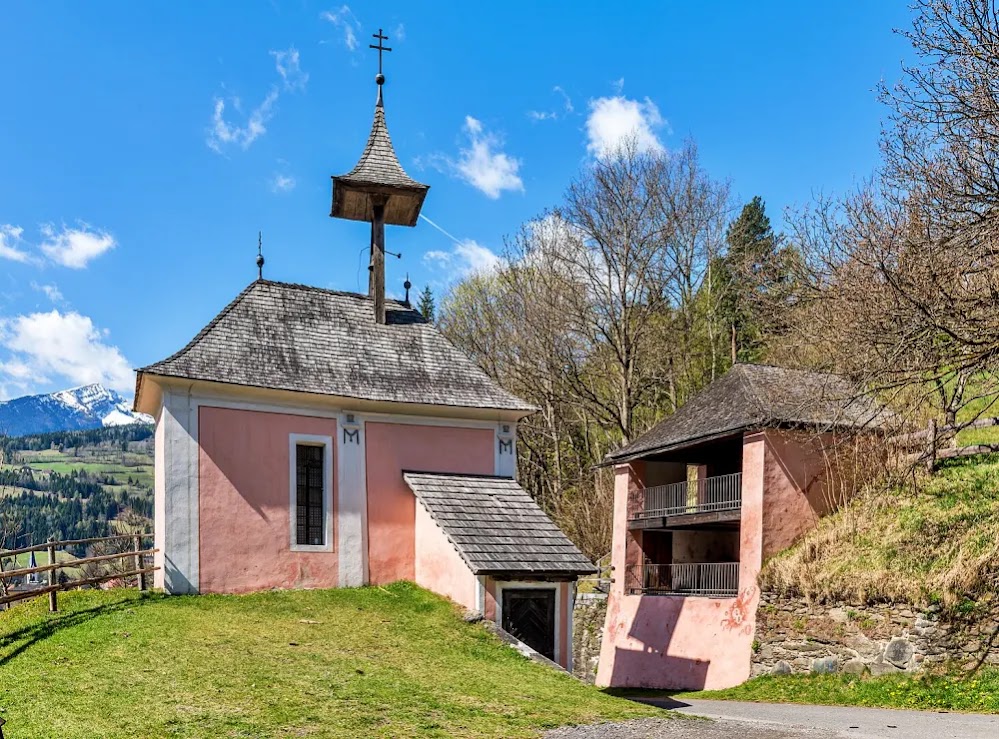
x: 380, y: 79
x: 260, y: 260
x: 407, y: 284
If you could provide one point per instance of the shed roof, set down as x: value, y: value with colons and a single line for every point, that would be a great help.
x: 292, y: 337
x: 755, y: 395
x: 497, y: 528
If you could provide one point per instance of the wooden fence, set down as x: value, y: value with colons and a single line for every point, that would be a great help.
x: 132, y: 564
x: 940, y: 442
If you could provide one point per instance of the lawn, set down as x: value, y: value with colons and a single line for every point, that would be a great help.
x: 978, y: 693
x: 368, y: 662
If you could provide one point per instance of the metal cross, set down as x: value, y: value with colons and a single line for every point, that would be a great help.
x: 380, y: 48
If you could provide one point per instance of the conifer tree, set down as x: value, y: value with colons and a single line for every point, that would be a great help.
x: 749, y: 269
x: 426, y: 304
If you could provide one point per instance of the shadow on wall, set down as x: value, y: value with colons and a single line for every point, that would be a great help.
x: 654, y: 625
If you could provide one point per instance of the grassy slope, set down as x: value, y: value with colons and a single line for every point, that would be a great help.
x: 393, y: 661
x: 939, y: 543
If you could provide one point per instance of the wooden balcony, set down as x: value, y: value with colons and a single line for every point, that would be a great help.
x: 708, y: 579
x: 707, y: 502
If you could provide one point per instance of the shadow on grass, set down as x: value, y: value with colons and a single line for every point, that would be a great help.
x: 31, y: 634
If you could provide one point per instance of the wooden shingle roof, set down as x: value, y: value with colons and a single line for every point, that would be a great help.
x: 496, y: 526
x: 754, y: 396
x: 292, y: 337
x: 378, y: 172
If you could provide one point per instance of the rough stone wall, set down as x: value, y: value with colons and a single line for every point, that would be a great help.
x: 795, y: 636
x: 587, y: 632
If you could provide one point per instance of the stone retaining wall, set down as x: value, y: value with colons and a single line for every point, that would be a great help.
x: 587, y: 631
x: 793, y: 635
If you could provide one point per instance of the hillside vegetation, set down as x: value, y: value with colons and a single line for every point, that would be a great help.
x: 75, y: 484
x: 935, y: 541
x: 395, y: 661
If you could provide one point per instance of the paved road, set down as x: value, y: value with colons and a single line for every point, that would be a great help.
x: 856, y: 723
x: 788, y: 721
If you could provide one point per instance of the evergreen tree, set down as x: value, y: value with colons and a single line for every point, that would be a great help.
x: 426, y: 305
x: 749, y: 271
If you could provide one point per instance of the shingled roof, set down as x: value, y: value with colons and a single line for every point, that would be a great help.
x: 378, y: 172
x: 292, y: 337
x: 496, y: 526
x: 755, y: 396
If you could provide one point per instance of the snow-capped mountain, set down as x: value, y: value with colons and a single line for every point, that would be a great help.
x: 85, y: 407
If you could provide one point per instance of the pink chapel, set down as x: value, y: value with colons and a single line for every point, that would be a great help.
x: 308, y: 438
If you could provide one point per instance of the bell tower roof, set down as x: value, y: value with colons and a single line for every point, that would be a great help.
x: 378, y: 176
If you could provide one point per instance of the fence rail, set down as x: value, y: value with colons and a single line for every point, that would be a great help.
x: 940, y: 442
x: 703, y: 578
x: 720, y: 493
x: 133, y: 565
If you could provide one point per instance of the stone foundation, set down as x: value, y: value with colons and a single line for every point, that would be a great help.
x: 587, y: 632
x: 795, y: 636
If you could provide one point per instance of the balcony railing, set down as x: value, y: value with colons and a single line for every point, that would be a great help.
x: 718, y: 579
x: 721, y: 493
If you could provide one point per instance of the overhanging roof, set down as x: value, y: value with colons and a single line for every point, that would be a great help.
x: 754, y: 396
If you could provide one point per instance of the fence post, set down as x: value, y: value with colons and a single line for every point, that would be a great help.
x: 931, y: 446
x: 141, y: 576
x: 53, y: 576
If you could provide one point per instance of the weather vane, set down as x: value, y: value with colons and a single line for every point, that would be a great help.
x: 381, y: 37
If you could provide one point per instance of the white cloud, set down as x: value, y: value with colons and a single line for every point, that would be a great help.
x: 52, y: 292
x: 222, y: 132
x: 554, y: 115
x: 618, y: 85
x: 59, y: 345
x: 288, y: 66
x: 482, y: 166
x: 399, y: 34
x: 344, y: 20
x: 75, y: 247
x: 10, y: 237
x: 613, y: 120
x: 282, y: 183
x: 467, y: 257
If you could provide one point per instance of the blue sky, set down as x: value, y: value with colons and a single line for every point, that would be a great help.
x: 142, y: 146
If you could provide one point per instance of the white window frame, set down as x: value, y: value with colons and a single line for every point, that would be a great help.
x: 502, y: 585
x: 310, y: 440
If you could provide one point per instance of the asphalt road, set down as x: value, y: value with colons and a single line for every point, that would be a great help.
x: 786, y: 721
x: 846, y: 721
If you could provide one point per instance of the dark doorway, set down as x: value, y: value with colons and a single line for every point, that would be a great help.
x: 529, y: 615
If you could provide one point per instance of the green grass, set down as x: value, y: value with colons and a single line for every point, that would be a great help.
x: 937, y: 542
x: 978, y: 693
x: 378, y: 662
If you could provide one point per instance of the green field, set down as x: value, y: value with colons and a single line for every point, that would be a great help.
x: 119, y: 465
x: 392, y: 661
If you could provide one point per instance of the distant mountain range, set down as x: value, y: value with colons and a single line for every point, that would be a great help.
x: 85, y: 407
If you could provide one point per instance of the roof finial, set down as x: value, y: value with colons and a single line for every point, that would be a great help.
x: 407, y: 284
x: 379, y: 78
x: 260, y: 255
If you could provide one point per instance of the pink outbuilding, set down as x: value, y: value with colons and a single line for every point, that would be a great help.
x: 309, y: 438
x: 735, y: 476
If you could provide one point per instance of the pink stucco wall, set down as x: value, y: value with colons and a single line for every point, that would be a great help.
x: 796, y: 485
x: 438, y: 565
x: 391, y: 448
x: 676, y: 642
x: 245, y: 527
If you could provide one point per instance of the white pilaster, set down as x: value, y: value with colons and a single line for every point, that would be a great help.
x: 352, y: 502
x: 506, y: 449
x: 179, y: 535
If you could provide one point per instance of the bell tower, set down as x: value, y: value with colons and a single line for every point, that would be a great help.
x: 378, y: 190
